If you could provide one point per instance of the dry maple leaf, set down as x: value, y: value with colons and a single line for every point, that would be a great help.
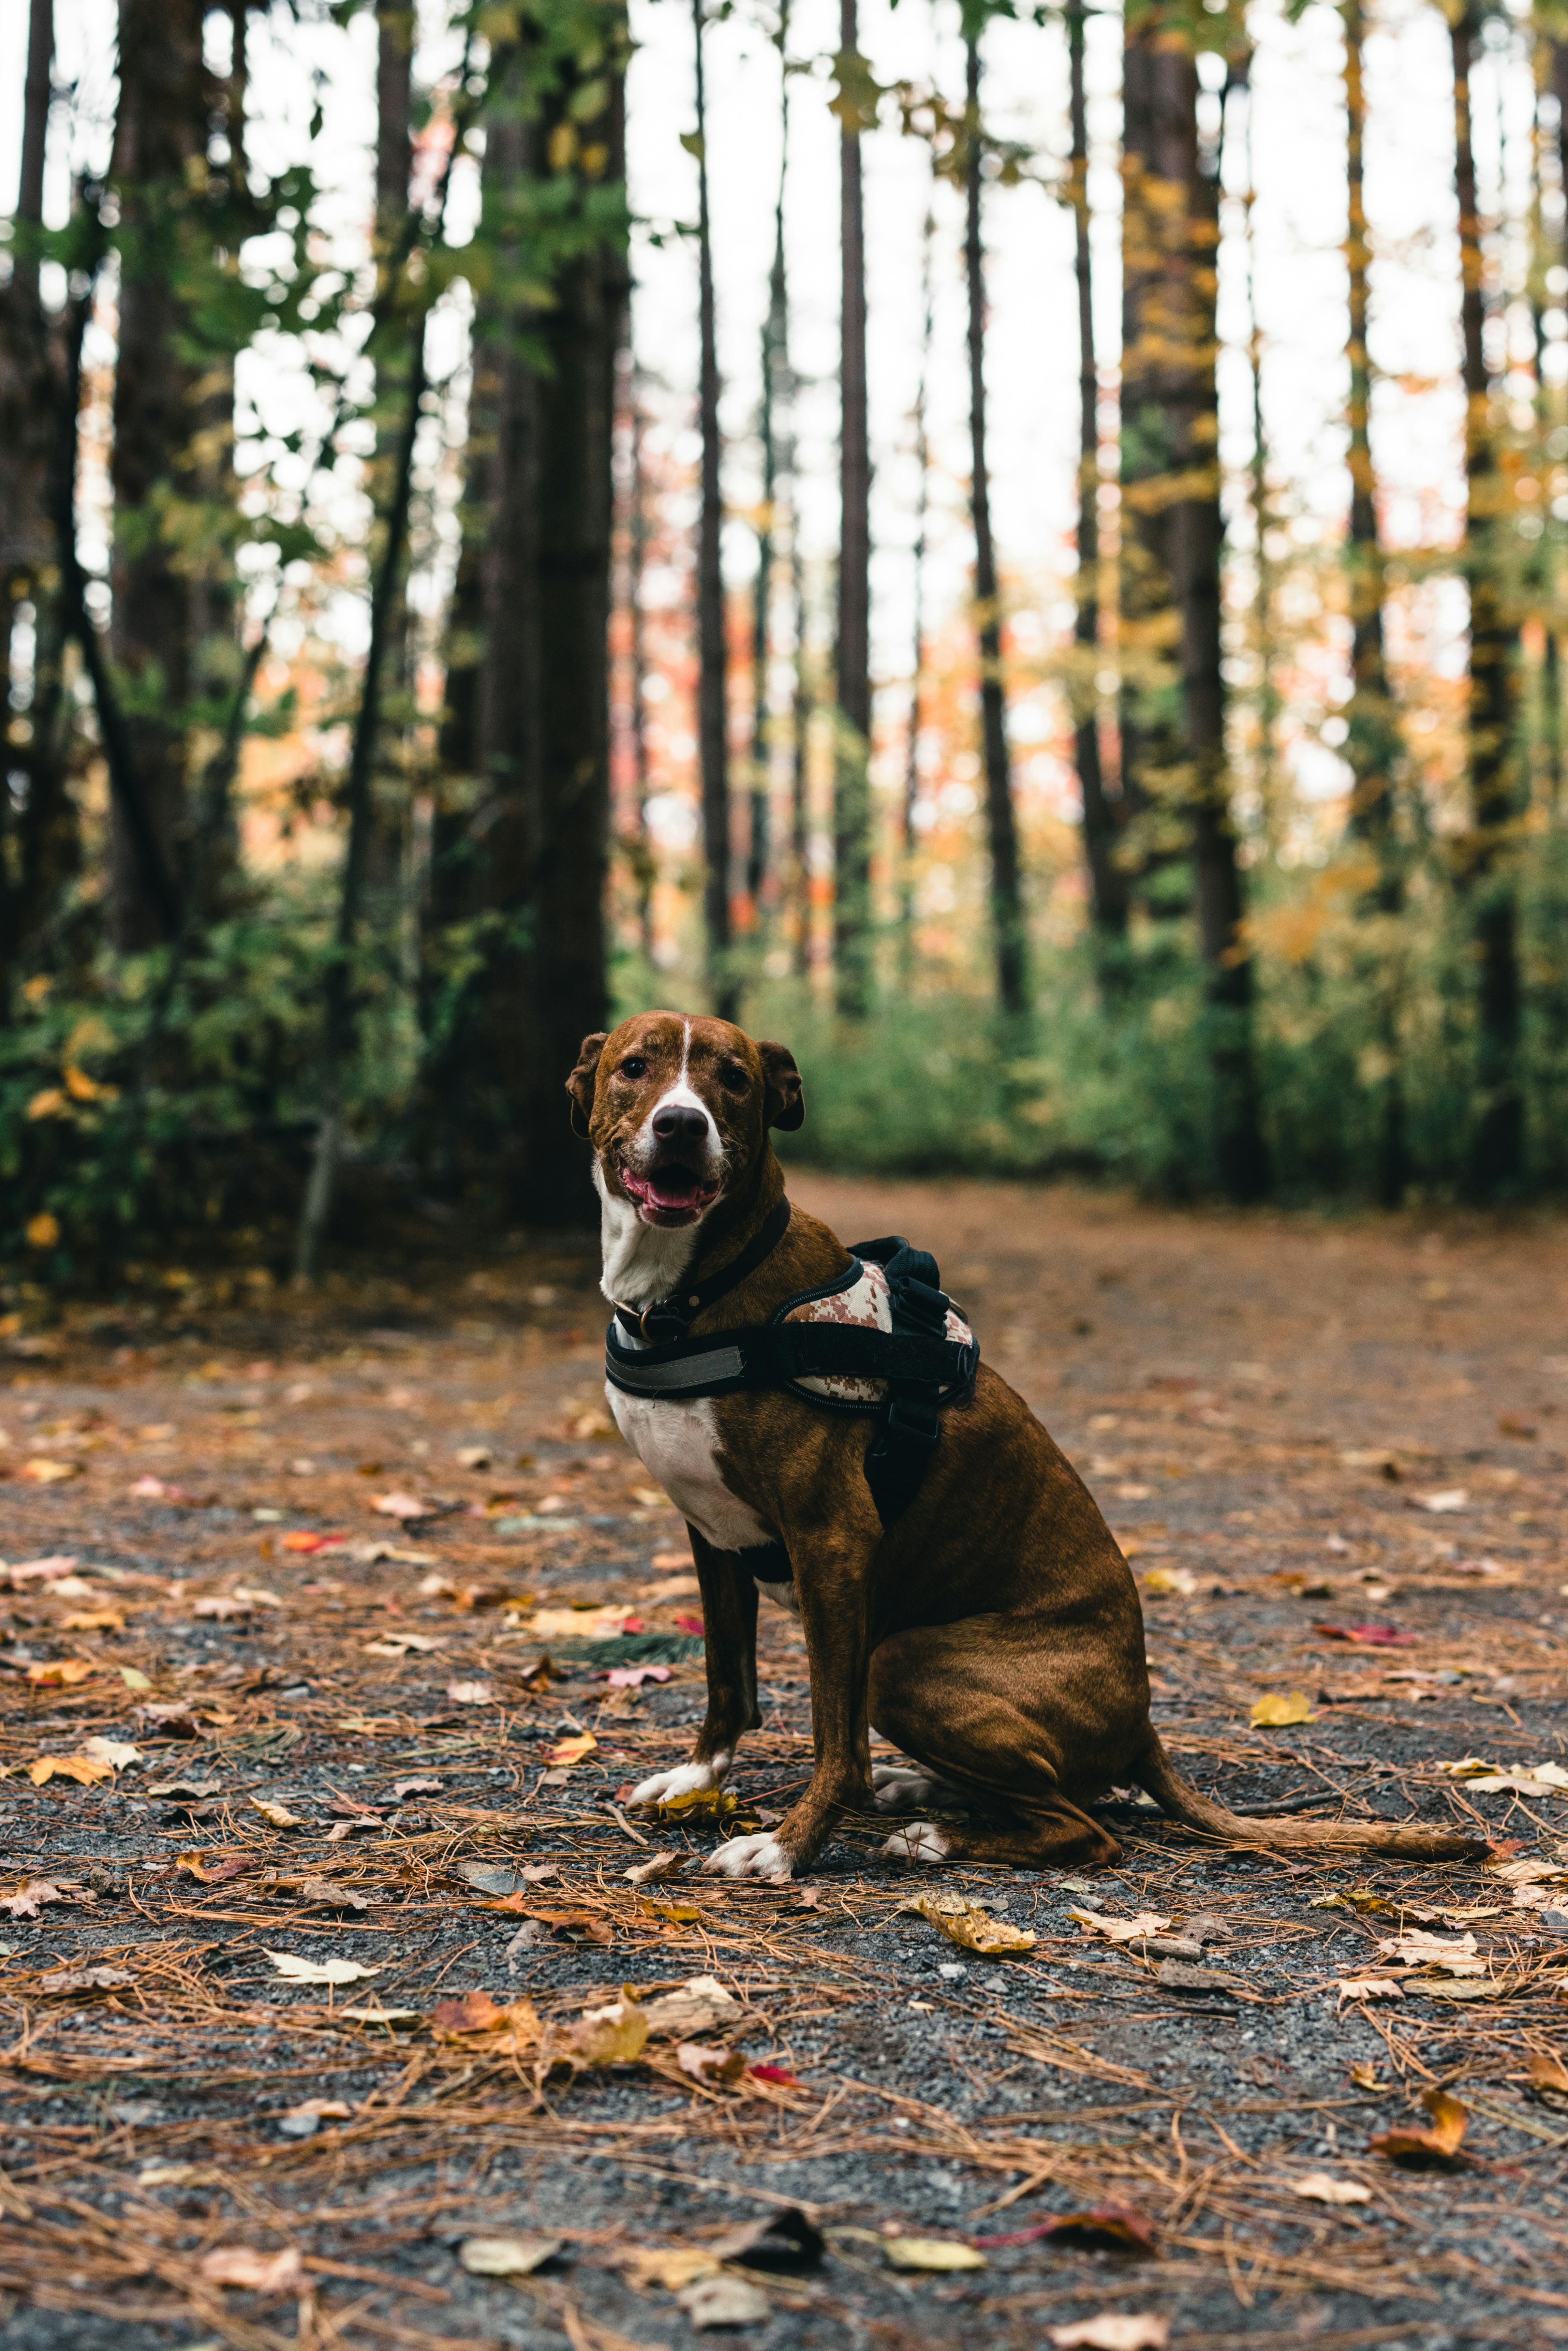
x: 1368, y: 1988
x: 1439, y: 2144
x: 85, y: 1770
x: 1275, y: 1709
x: 24, y: 1901
x: 970, y: 1927
x: 63, y: 1673
x: 572, y: 1751
x: 241, y: 2265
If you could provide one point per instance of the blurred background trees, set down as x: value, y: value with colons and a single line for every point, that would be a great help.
x: 401, y: 681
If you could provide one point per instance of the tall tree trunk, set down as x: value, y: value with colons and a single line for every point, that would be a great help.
x: 775, y: 366
x: 1174, y: 743
x: 517, y: 954
x: 1496, y: 1160
x: 799, y: 739
x: 26, y: 426
x: 712, y: 710
x: 636, y: 572
x: 917, y: 572
x: 384, y: 844
x: 1373, y: 747
x: 159, y: 148
x: 1001, y: 820
x: 852, y: 757
x: 1110, y: 893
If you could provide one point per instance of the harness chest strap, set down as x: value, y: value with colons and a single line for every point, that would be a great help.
x: 921, y: 1367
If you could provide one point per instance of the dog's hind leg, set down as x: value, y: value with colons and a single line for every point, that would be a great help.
x: 983, y: 1708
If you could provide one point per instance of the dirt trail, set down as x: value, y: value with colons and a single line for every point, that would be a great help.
x: 319, y: 1552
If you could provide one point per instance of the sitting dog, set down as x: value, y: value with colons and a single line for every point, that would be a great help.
x: 991, y: 1632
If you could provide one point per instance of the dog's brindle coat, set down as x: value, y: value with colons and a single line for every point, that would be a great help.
x: 993, y: 1633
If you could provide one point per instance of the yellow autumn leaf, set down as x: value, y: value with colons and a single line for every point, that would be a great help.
x: 50, y: 1103
x: 42, y: 1230
x: 572, y: 1751
x: 1274, y: 1709
x: 50, y: 1473
x: 81, y: 1088
x: 61, y: 1673
x: 970, y: 1927
x: 84, y: 1769
x: 931, y: 2252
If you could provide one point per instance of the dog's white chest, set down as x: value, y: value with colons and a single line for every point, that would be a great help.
x: 678, y: 1444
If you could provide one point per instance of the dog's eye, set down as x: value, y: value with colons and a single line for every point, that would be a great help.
x: 733, y: 1079
x: 633, y: 1067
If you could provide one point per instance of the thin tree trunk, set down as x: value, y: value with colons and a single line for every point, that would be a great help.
x: 800, y: 742
x: 1174, y: 742
x: 712, y: 684
x: 159, y: 149
x: 1268, y: 701
x: 636, y: 568
x: 384, y: 846
x: 917, y: 568
x: 1001, y: 819
x: 1373, y: 747
x: 1497, y: 1150
x: 25, y: 434
x: 758, y: 855
x: 1110, y: 893
x: 852, y: 777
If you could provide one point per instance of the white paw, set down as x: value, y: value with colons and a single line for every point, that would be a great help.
x: 898, y: 1789
x: 682, y: 1781
x: 919, y: 1842
x: 751, y: 1856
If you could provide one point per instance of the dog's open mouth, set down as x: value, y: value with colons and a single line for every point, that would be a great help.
x: 669, y: 1196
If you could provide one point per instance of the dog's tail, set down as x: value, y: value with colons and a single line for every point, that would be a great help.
x: 1182, y: 1801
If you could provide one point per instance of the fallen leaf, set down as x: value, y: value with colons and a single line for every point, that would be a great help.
x: 632, y: 1676
x: 723, y: 2301
x: 473, y: 1456
x: 48, y: 1473
x: 85, y: 1770
x: 293, y: 1970
x: 395, y: 1644
x: 1274, y: 1709
x: 172, y: 1716
x: 1369, y: 1988
x: 671, y: 2266
x: 970, y: 1927
x: 426, y: 1787
x: 1415, y: 1947
x: 277, y: 1815
x: 322, y: 1895
x: 1450, y: 1498
x: 47, y: 1571
x: 471, y: 1693
x: 64, y: 1979
x: 931, y: 2254
x: 388, y: 2016
x: 471, y: 2012
x: 216, y: 1872
x: 490, y: 1876
x: 614, y: 2038
x: 784, y: 2240
x: 301, y: 1539
x: 1112, y: 2331
x: 1439, y: 2144
x: 133, y: 1678
x: 1368, y: 1637
x: 779, y: 2075
x: 506, y: 2256
x: 1121, y: 1931
x: 1171, y: 1579
x: 261, y: 2273
x: 399, y: 1506
x: 63, y: 1673
x: 24, y: 1901
x: 93, y: 1620
x: 115, y: 1752
x: 712, y: 1804
x: 1176, y: 1975
x: 662, y: 1865
x: 1547, y: 2071
x: 572, y: 1751
x: 221, y: 1605
x: 707, y: 2063
x: 1322, y: 2188
x: 693, y: 1624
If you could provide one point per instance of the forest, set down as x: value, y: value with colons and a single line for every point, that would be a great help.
x: 414, y: 663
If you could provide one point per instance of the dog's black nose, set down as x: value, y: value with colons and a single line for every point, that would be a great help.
x: 681, y: 1123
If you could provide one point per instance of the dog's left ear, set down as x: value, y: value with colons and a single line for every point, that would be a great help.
x: 580, y: 1085
x: 783, y: 1104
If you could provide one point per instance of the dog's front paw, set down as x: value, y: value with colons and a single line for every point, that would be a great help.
x: 751, y: 1856
x: 919, y: 1842
x: 683, y: 1781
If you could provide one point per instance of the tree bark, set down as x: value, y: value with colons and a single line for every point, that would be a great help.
x: 1010, y: 944
x: 712, y: 710
x: 516, y: 950
x: 25, y: 429
x: 851, y: 780
x: 385, y: 841
x: 1174, y: 742
x: 159, y: 149
x: 1497, y: 1159
x: 1373, y: 747
x: 917, y: 570
x: 774, y: 390
x: 1110, y: 892
x: 636, y: 568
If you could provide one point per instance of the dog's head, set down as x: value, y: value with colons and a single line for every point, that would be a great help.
x: 678, y: 1110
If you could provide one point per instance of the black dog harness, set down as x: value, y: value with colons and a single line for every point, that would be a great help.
x: 923, y: 1369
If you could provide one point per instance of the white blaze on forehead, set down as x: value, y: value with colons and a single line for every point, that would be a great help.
x: 681, y: 1095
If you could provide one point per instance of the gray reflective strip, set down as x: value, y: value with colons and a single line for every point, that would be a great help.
x: 693, y: 1371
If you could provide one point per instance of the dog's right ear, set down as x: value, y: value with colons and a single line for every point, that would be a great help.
x: 580, y: 1085
x: 785, y: 1105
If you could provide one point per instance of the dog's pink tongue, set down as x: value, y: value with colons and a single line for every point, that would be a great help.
x: 673, y: 1189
